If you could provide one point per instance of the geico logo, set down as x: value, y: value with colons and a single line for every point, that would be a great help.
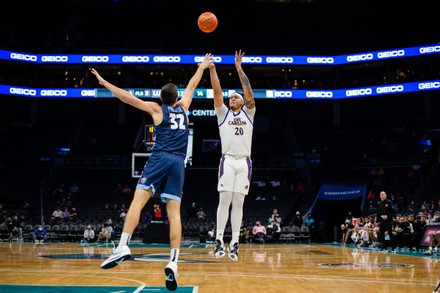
x: 54, y: 93
x: 95, y: 59
x: 203, y: 112
x: 315, y: 94
x: 135, y: 58
x: 199, y: 59
x: 388, y: 54
x: 26, y: 92
x: 429, y: 85
x: 279, y: 60
x: 87, y: 93
x: 359, y: 92
x: 360, y: 57
x: 155, y: 93
x: 24, y: 57
x: 166, y: 59
x: 389, y: 89
x: 320, y: 60
x: 252, y: 59
x: 430, y: 49
x: 54, y: 58
x: 283, y: 94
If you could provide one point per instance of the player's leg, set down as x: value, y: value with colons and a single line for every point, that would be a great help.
x: 224, y: 187
x: 236, y: 218
x: 173, y: 211
x: 122, y: 252
x: 225, y: 200
x: 241, y: 189
x: 172, y: 195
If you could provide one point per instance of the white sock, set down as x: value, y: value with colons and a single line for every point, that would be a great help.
x: 220, y: 234
x: 235, y: 237
x: 174, y: 254
x: 125, y: 239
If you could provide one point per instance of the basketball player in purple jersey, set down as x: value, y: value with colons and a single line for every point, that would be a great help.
x: 236, y: 125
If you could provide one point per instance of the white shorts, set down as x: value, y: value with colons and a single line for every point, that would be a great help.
x: 234, y: 174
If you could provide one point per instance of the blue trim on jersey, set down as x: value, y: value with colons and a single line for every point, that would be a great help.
x: 164, y: 197
x: 236, y: 114
x: 145, y: 187
x: 226, y: 116
x: 246, y: 114
x: 221, y: 169
x: 249, y: 164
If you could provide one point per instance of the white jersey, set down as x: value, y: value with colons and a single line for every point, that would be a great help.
x: 235, y: 130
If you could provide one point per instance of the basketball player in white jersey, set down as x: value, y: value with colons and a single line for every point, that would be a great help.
x: 236, y: 125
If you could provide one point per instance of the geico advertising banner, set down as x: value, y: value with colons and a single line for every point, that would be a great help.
x: 315, y: 94
x: 220, y: 59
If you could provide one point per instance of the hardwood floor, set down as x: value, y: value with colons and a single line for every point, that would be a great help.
x: 72, y: 267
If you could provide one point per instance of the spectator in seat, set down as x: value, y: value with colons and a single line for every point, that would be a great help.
x: 211, y: 232
x: 274, y: 229
x: 309, y: 222
x: 40, y: 235
x: 57, y: 216
x: 89, y: 235
x: 275, y: 216
x: 14, y: 228
x: 65, y: 214
x: 434, y: 242
x: 298, y: 220
x: 106, y: 232
x: 201, y: 215
x: 73, y: 215
x: 244, y: 232
x: 259, y: 231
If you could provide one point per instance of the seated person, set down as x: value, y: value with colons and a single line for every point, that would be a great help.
x: 275, y: 216
x: 364, y: 237
x: 434, y: 239
x: 14, y: 228
x: 106, y: 232
x: 356, y: 235
x: 344, y: 230
x: 244, y: 233
x: 274, y: 230
x: 89, y: 235
x: 211, y: 232
x: 259, y: 231
x: 73, y: 215
x: 40, y: 235
x: 65, y: 214
x: 57, y: 216
x: 349, y: 230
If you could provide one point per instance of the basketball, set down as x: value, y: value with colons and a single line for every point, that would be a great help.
x: 207, y: 22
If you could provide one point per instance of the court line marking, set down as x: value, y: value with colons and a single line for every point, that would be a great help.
x: 333, y: 278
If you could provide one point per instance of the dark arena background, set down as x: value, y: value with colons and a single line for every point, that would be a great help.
x: 348, y: 104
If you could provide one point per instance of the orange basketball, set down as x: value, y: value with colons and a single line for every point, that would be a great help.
x: 207, y: 22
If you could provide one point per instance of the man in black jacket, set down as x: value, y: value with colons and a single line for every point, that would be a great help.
x: 385, y: 215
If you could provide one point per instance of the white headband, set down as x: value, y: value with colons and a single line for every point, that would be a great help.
x: 238, y: 94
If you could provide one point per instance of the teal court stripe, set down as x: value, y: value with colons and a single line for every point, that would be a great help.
x: 90, y: 289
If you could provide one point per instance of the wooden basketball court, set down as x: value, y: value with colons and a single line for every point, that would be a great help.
x: 73, y: 267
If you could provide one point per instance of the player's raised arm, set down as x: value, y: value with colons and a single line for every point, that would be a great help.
x: 127, y: 97
x: 215, y: 83
x: 248, y: 93
x: 187, y: 96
